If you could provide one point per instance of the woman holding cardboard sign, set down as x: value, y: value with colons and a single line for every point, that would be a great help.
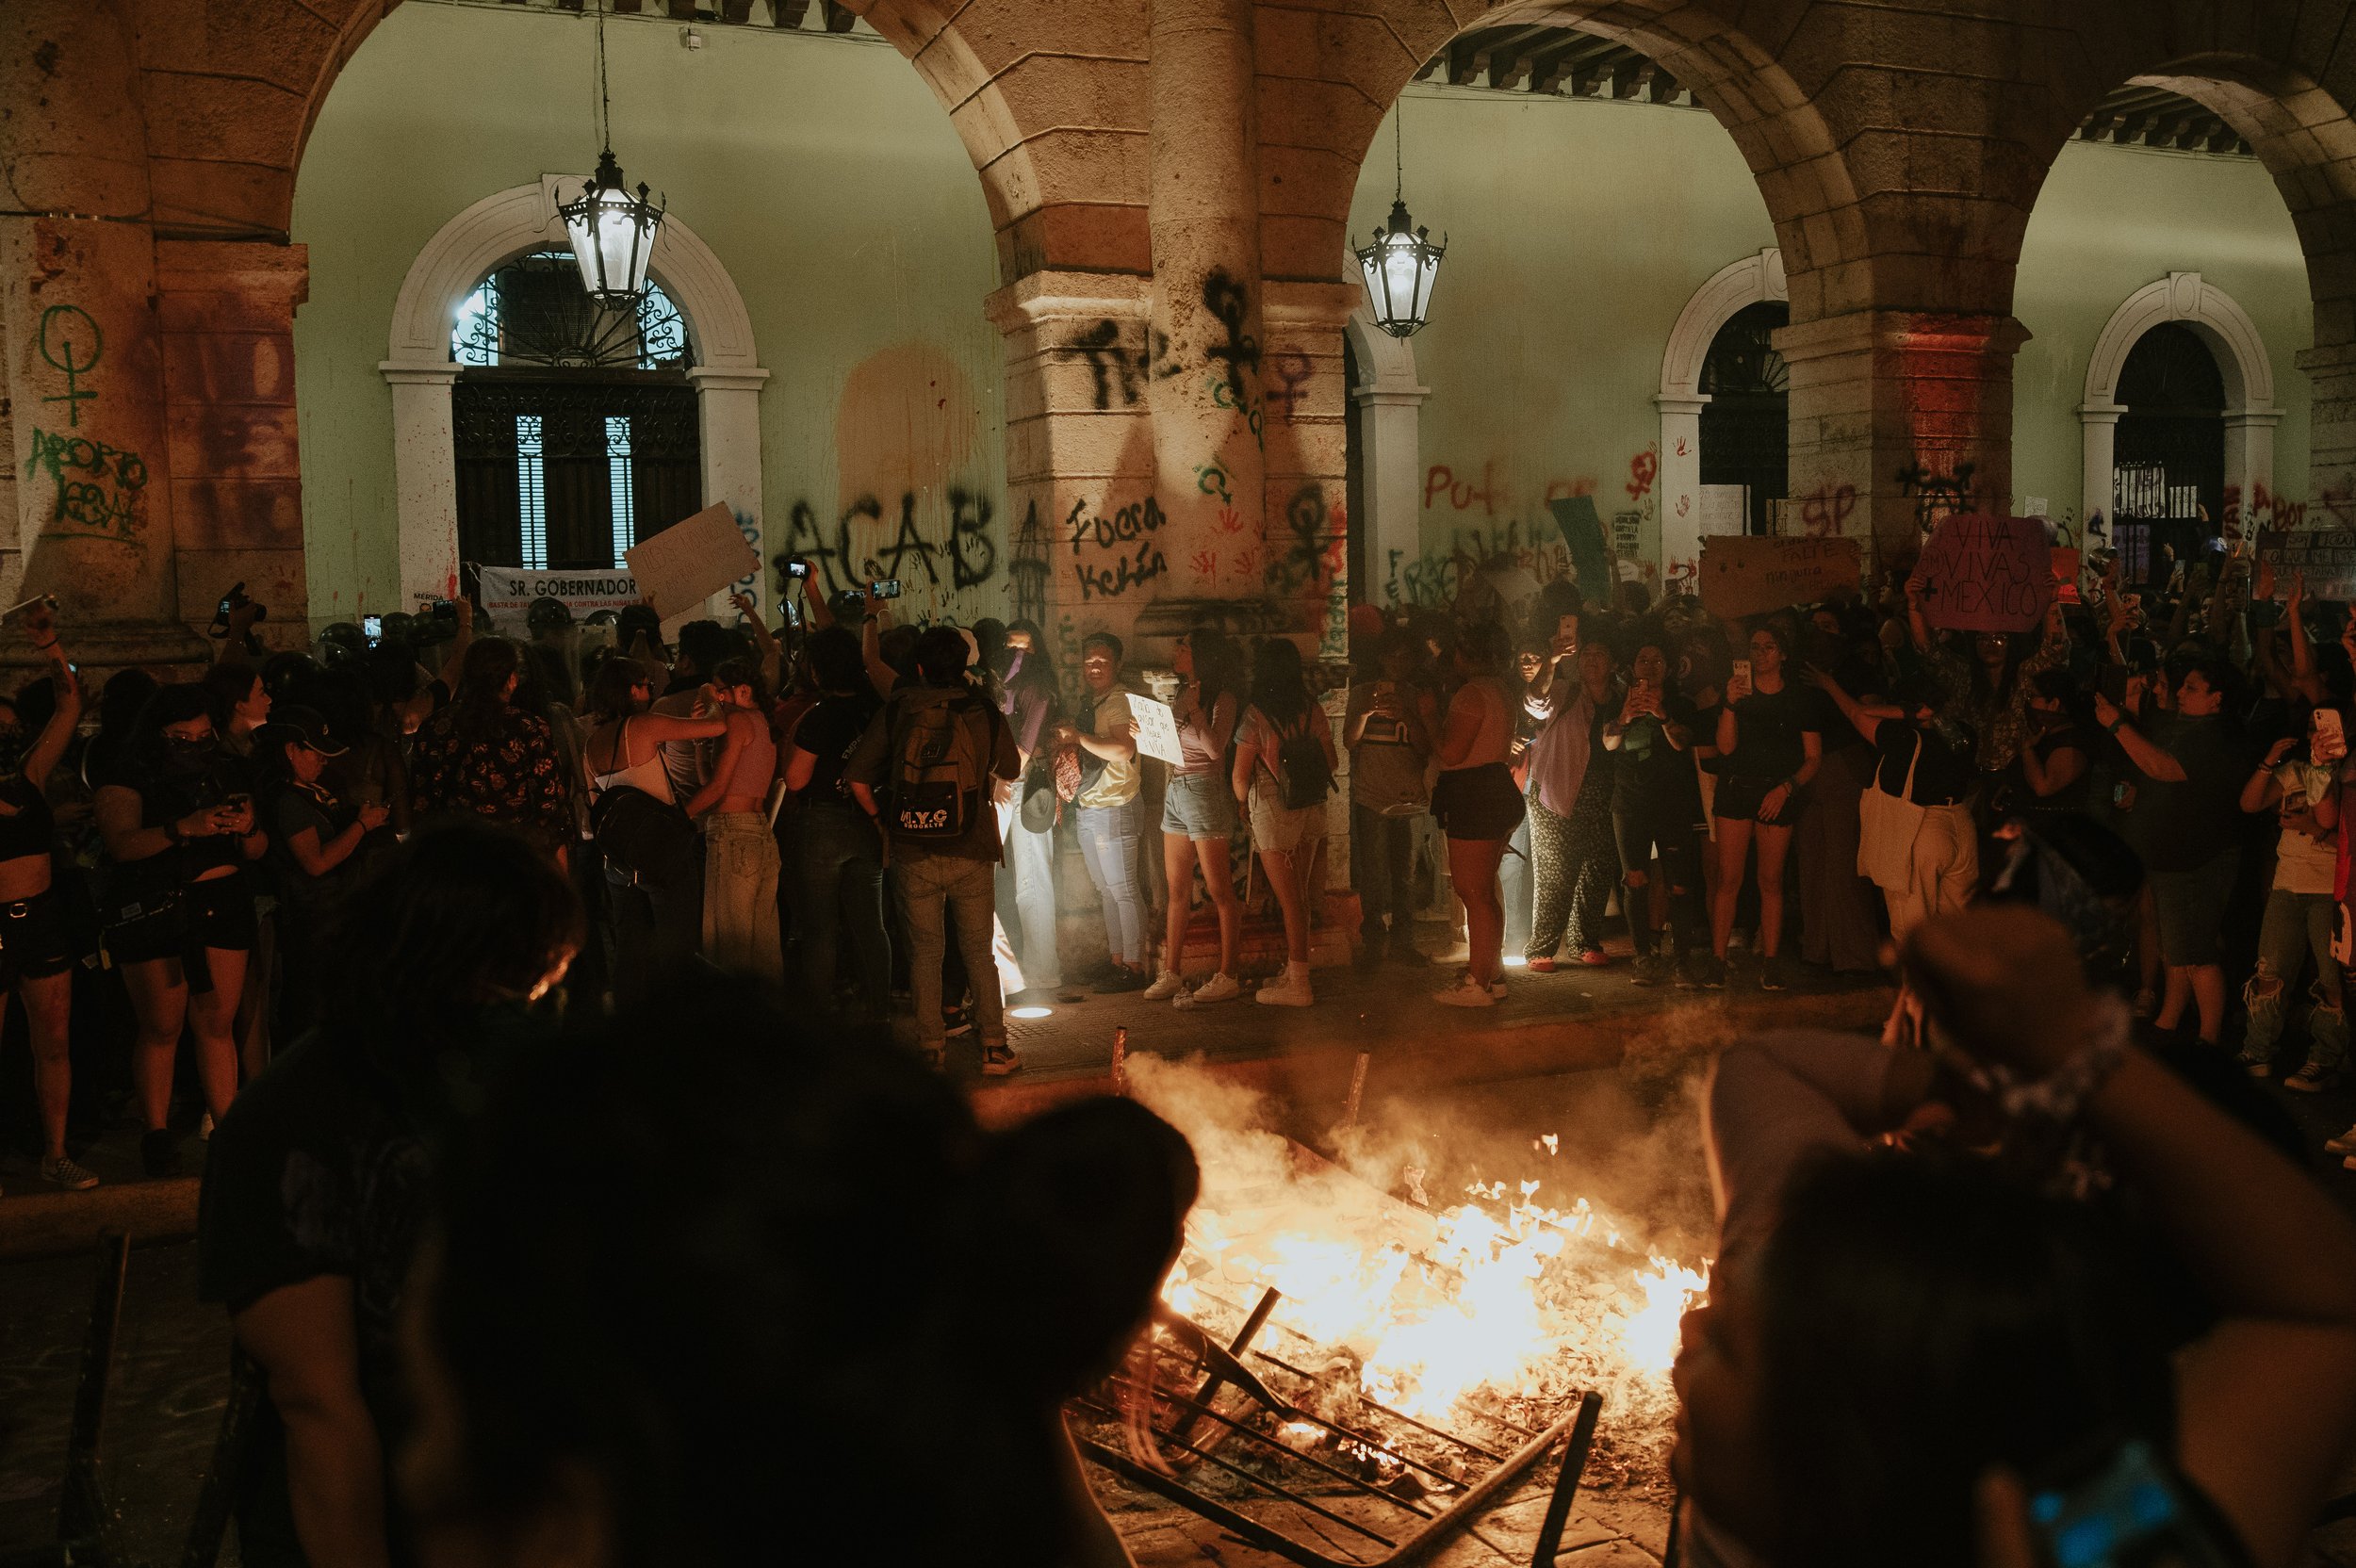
x: 1768, y: 756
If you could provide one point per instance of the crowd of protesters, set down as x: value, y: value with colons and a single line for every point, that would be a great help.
x: 874, y: 808
x: 490, y: 1257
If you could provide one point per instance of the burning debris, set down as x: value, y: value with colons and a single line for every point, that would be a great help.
x: 1393, y: 1312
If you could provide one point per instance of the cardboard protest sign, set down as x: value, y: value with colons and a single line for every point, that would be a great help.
x: 507, y: 592
x: 2327, y: 555
x: 1158, y: 730
x: 1749, y: 574
x: 1987, y: 574
x: 689, y: 562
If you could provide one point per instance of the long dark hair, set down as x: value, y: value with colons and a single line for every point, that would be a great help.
x: 143, y: 746
x: 1923, y: 1318
x: 1038, y: 671
x: 479, y: 708
x: 1219, y: 666
x: 610, y: 693
x: 1280, y: 687
x: 738, y: 1315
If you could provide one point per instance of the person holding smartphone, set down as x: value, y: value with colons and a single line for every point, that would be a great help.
x: 2298, y: 782
x: 177, y: 818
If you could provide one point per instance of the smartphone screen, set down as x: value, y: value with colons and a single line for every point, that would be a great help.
x: 888, y: 589
x: 797, y: 569
x: 2126, y: 1509
x: 373, y: 627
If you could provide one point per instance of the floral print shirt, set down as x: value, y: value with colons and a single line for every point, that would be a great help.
x: 514, y: 776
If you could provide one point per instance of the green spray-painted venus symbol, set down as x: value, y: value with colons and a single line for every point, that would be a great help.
x: 59, y: 346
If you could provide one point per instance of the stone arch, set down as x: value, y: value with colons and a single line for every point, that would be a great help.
x: 1791, y: 147
x: 1390, y: 398
x: 499, y: 227
x: 2220, y: 321
x: 230, y: 106
x: 1732, y: 288
x: 2296, y: 120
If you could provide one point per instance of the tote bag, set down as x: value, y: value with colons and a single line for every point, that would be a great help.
x: 1886, y: 824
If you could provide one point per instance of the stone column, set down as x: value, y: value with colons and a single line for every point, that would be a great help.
x: 2331, y: 422
x: 1680, y: 477
x: 2249, y: 466
x: 728, y: 406
x: 1390, y: 448
x: 1204, y: 369
x: 82, y: 403
x: 1913, y: 409
x: 2099, y: 425
x: 1086, y: 538
x: 1306, y: 572
x: 425, y: 480
x: 227, y: 314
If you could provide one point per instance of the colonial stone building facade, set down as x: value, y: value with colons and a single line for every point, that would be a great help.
x: 1169, y: 182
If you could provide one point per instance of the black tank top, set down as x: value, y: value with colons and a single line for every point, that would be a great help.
x: 28, y: 829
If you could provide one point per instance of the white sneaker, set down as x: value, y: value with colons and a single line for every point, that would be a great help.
x: 1468, y: 993
x: 1289, y: 990
x: 1219, y: 988
x: 1164, y: 988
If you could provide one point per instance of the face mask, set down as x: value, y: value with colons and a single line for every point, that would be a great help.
x: 184, y: 757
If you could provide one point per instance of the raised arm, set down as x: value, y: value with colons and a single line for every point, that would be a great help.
x: 1867, y: 720
x: 2261, y: 791
x: 2141, y: 750
x: 48, y: 749
x: 2266, y: 1400
x: 764, y: 641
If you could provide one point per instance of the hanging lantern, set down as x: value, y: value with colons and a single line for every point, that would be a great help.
x: 1400, y: 266
x: 613, y: 235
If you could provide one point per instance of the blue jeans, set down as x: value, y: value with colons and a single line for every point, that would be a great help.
x: 838, y: 871
x: 1108, y: 841
x: 2296, y: 925
x: 1516, y: 877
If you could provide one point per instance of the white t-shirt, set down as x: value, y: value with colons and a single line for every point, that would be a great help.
x: 2304, y: 864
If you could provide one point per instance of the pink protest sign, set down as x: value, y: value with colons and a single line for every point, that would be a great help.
x: 1987, y: 574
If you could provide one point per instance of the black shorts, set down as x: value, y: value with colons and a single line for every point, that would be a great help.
x: 183, y: 922
x: 220, y: 914
x: 1479, y: 804
x: 1738, y: 800
x: 36, y: 939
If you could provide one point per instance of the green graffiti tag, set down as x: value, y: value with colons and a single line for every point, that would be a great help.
x: 62, y: 328
x: 98, y: 485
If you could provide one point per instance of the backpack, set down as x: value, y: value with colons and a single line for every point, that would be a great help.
x: 940, y: 779
x: 651, y: 840
x: 1303, y: 776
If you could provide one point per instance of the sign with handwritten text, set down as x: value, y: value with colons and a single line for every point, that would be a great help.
x: 1987, y: 574
x: 1158, y: 730
x: 2327, y: 555
x: 1749, y: 574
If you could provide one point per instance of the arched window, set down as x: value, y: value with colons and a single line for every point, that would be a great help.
x: 575, y: 427
x: 1745, y: 427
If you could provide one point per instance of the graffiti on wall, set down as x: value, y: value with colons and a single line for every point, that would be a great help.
x: 99, y: 487
x: 71, y: 341
x: 1433, y: 578
x: 846, y: 555
x: 1937, y: 495
x: 1114, y: 553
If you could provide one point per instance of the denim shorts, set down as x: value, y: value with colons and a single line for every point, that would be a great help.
x: 1199, y: 805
